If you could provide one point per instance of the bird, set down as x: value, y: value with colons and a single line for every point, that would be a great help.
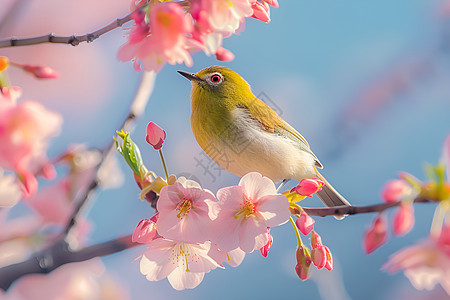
x: 243, y: 134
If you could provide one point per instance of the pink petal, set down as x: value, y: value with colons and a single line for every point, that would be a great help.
x: 252, y: 235
x: 256, y: 186
x: 265, y: 250
x: 261, y: 11
x: 274, y: 209
x: 180, y: 279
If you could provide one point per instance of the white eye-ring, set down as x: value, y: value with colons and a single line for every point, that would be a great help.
x: 215, y: 79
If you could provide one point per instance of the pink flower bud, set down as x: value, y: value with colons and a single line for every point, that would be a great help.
x: 223, y: 54
x: 395, y: 190
x: 265, y: 250
x: 261, y: 11
x: 375, y: 236
x: 305, y: 223
x: 316, y: 240
x: 319, y: 257
x: 307, y: 187
x: 41, y: 72
x: 155, y: 135
x: 145, y: 231
x: 303, y: 262
x: 403, y: 220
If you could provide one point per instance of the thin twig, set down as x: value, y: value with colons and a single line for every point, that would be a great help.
x: 353, y: 210
x: 73, y: 40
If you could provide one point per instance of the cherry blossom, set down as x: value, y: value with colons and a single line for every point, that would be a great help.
x: 165, y: 40
x: 186, y: 212
x: 183, y: 264
x: 426, y: 263
x: 245, y: 212
x: 24, y: 141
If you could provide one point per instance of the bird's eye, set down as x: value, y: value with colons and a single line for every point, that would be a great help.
x: 216, y: 78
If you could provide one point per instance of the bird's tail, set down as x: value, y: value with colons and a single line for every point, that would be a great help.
x: 329, y: 195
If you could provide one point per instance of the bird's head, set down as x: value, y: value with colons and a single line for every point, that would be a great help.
x: 220, y: 83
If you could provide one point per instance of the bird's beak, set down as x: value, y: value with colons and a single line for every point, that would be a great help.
x: 190, y: 76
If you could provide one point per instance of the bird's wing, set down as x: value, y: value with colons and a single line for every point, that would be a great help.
x: 273, y: 123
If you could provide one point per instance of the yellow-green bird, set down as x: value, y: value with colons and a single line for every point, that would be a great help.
x: 243, y: 134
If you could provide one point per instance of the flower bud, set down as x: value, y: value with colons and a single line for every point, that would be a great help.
x: 403, y: 220
x: 375, y: 236
x: 307, y: 187
x: 303, y: 262
x: 305, y: 223
x: 155, y: 135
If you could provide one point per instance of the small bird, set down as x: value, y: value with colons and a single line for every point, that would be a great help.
x: 243, y: 134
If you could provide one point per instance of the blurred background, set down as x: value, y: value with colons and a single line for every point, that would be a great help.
x: 366, y: 82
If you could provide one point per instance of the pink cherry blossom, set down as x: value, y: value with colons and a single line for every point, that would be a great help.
x: 426, y: 263
x: 186, y: 212
x: 403, y: 220
x: 223, y: 15
x: 155, y: 135
x: 305, y: 223
x: 375, y: 236
x: 145, y: 231
x: 25, y: 130
x: 183, y: 264
x: 245, y: 212
x: 309, y: 186
x: 396, y: 190
x: 165, y: 40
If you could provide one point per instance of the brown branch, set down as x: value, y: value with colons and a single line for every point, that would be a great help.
x: 59, y: 254
x: 137, y: 107
x: 353, y: 210
x: 73, y: 40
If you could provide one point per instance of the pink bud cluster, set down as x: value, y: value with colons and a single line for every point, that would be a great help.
x: 403, y: 219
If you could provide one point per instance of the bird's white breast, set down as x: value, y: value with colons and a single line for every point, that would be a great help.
x: 245, y: 147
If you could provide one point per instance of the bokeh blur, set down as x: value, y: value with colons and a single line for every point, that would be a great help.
x: 365, y: 82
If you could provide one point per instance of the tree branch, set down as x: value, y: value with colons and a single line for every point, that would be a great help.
x: 353, y: 210
x: 137, y: 107
x: 73, y: 40
x: 59, y: 254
